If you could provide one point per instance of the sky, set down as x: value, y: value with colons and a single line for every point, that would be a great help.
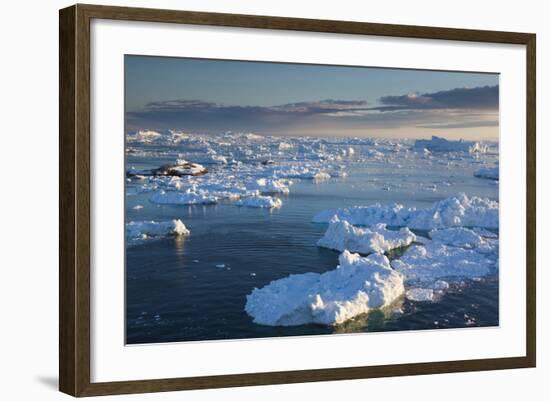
x: 214, y: 96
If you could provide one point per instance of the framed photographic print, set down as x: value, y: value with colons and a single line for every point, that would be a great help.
x: 250, y: 200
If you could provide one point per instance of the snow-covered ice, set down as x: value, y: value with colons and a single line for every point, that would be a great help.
x: 268, y: 186
x: 181, y: 198
x: 356, y: 286
x: 438, y: 144
x: 341, y: 235
x: 459, y: 210
x: 435, y: 260
x: 261, y: 202
x: 144, y: 136
x: 490, y: 173
x: 136, y: 230
x: 420, y: 294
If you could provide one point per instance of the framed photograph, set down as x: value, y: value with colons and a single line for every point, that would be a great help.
x: 250, y: 200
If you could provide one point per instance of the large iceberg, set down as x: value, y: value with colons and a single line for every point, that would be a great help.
x: 144, y: 229
x: 459, y: 210
x: 438, y: 144
x: 341, y: 235
x: 356, y: 286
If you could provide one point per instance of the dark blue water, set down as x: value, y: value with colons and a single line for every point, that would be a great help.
x: 194, y: 288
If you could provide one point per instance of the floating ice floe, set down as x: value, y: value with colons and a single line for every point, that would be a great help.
x: 181, y: 168
x: 181, y: 198
x: 490, y: 173
x: 435, y: 260
x: 438, y: 144
x: 261, y: 202
x: 144, y: 229
x: 144, y: 136
x: 285, y: 146
x: 268, y: 186
x: 356, y: 286
x: 420, y: 294
x: 459, y: 210
x: 341, y: 235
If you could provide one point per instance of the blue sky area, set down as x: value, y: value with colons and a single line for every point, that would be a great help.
x: 212, y: 96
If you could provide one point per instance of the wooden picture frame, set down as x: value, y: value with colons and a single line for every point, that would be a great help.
x: 75, y: 207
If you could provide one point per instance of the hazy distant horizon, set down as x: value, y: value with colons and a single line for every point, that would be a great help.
x: 281, y: 99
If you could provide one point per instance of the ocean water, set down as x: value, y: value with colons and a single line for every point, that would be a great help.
x: 194, y: 288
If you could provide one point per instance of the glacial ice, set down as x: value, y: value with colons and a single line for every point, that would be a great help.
x: 136, y: 230
x: 459, y: 210
x: 356, y: 286
x: 341, y: 235
x: 261, y: 202
x: 438, y: 144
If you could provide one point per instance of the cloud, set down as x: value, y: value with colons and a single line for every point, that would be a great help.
x: 479, y: 98
x: 197, y: 114
x: 454, y: 108
x: 183, y: 106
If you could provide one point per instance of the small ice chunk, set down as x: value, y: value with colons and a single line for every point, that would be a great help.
x: 321, y: 176
x: 341, y: 235
x: 144, y: 229
x: 356, y: 286
x: 441, y: 285
x: 285, y: 146
x: 420, y: 294
x: 182, y: 198
x: 144, y: 136
x: 268, y: 186
x: 490, y: 173
x: 137, y: 207
x: 261, y: 202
